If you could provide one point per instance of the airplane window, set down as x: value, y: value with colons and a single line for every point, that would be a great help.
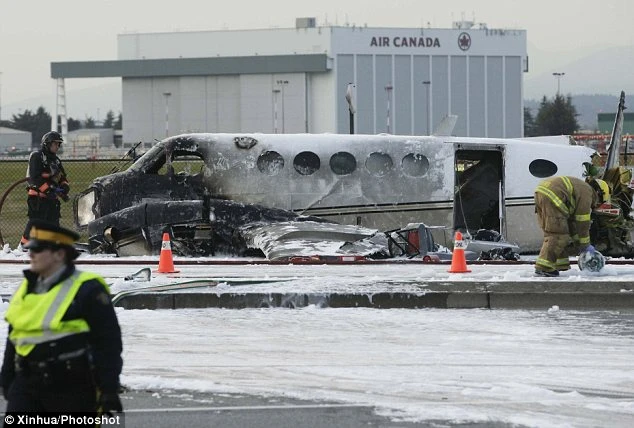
x: 184, y: 163
x: 270, y: 163
x: 542, y: 168
x: 343, y: 163
x: 415, y: 165
x: 379, y: 164
x: 306, y: 163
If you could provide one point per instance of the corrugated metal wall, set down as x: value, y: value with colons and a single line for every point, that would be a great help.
x: 235, y: 103
x: 483, y: 91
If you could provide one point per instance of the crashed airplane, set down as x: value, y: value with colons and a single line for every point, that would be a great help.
x: 281, y: 195
x: 612, y: 222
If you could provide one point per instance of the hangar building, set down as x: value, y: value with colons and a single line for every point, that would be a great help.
x: 294, y: 80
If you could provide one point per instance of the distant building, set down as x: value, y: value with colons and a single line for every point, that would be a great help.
x: 89, y: 143
x: 14, y: 141
x: 290, y: 80
x: 606, y: 123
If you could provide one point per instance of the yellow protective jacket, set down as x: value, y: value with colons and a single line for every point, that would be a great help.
x: 37, y: 318
x: 575, y: 199
x: 76, y: 313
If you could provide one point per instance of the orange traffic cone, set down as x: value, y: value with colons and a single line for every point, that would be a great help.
x: 458, y: 260
x: 166, y: 262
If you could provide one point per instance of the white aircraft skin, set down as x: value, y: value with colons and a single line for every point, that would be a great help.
x: 381, y: 182
x: 397, y: 180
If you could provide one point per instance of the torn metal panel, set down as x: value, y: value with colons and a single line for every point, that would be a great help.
x: 281, y: 240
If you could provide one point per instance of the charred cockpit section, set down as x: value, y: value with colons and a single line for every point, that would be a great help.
x: 127, y: 212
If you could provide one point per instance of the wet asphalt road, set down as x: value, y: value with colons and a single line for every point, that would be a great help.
x: 169, y: 408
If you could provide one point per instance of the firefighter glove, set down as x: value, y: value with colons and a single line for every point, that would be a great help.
x: 589, y: 249
x: 61, y: 192
x: 109, y: 402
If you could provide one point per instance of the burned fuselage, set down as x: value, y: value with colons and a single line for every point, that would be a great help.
x: 211, y: 190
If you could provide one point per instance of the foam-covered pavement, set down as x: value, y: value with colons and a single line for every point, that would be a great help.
x: 232, y: 283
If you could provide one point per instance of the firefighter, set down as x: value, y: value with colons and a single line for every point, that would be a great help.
x: 47, y: 184
x: 563, y: 206
x: 63, y: 350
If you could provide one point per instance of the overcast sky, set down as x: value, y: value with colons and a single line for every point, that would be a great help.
x: 34, y: 34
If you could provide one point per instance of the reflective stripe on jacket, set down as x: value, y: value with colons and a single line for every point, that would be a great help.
x: 37, y: 318
x: 573, y: 197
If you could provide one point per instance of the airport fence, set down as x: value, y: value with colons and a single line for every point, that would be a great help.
x: 13, y: 214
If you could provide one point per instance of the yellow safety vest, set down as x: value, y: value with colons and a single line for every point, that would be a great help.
x: 37, y: 318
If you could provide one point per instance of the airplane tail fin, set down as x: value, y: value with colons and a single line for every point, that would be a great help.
x: 446, y: 126
x: 614, y: 148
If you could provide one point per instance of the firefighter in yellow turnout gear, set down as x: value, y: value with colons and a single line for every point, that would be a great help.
x: 563, y: 206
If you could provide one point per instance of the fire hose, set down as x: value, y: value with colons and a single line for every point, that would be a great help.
x: 4, y: 197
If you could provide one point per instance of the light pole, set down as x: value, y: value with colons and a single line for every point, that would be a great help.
x: 167, y: 113
x: 0, y: 96
x: 283, y: 83
x: 558, y: 76
x: 426, y: 84
x: 388, y: 89
x: 275, y: 94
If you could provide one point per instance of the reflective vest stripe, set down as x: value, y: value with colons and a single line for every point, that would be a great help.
x: 584, y: 240
x: 568, y: 184
x: 562, y: 263
x: 571, y: 193
x: 59, y: 298
x: 38, y: 318
x: 554, y: 198
x: 47, y: 322
x: 582, y: 217
x: 545, y: 263
x: 45, y: 337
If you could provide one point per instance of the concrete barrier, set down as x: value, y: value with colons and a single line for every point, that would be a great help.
x: 457, y: 295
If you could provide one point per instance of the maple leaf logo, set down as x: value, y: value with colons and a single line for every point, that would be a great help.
x: 464, y: 41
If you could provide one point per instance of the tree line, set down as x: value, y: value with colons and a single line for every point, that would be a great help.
x: 554, y: 117
x: 38, y: 123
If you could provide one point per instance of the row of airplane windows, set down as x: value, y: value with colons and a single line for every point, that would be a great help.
x: 343, y: 163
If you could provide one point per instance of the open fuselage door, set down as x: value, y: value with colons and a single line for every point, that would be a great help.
x: 479, y: 189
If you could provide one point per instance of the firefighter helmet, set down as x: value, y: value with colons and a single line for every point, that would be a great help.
x: 51, y: 137
x: 604, y: 190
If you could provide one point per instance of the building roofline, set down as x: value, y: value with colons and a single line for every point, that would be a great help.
x: 320, y: 27
x: 265, y: 64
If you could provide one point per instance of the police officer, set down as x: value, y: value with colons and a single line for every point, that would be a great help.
x: 47, y: 183
x: 63, y: 350
x: 563, y: 206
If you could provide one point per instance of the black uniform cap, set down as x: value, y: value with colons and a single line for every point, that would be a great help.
x: 44, y: 235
